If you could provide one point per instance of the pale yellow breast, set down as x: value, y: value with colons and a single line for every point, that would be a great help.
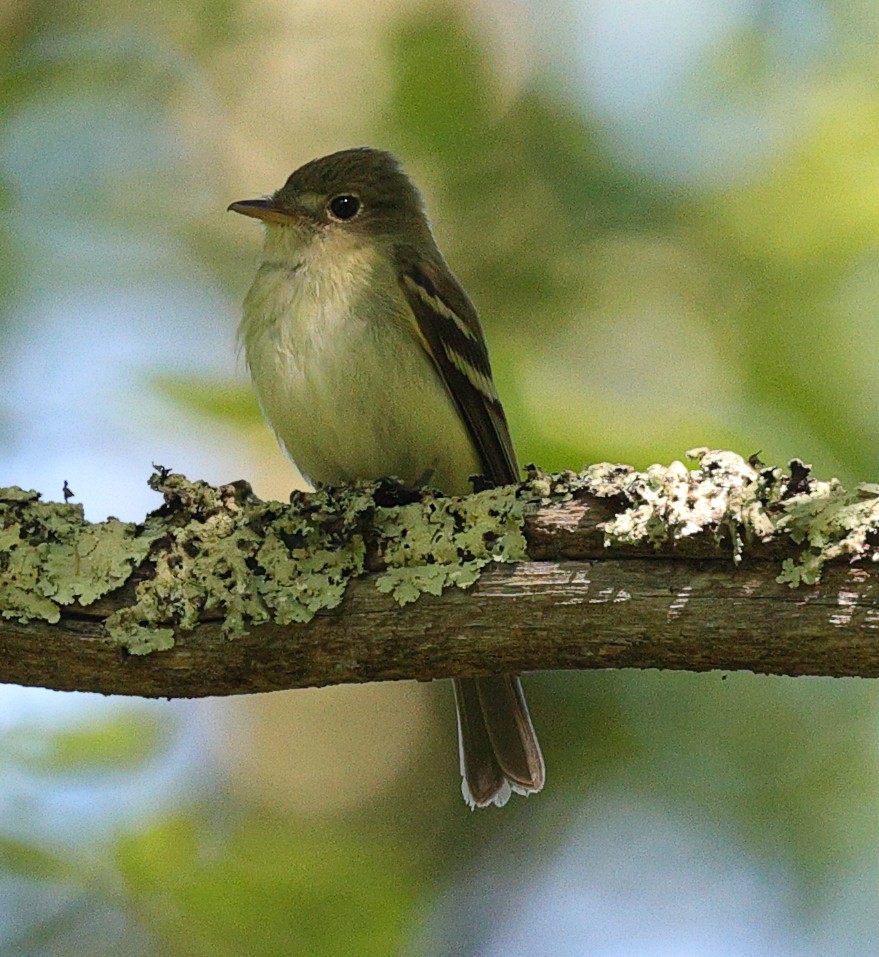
x: 340, y: 376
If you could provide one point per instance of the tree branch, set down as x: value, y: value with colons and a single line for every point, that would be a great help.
x: 616, y: 569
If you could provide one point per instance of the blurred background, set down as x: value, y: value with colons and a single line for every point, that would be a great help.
x: 667, y: 212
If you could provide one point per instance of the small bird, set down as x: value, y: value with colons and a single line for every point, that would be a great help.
x: 369, y: 361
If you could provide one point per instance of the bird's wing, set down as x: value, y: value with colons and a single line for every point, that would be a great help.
x: 448, y: 327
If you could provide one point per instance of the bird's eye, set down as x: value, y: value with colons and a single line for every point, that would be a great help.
x: 344, y: 207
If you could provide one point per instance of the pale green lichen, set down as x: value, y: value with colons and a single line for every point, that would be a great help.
x: 50, y: 556
x: 227, y: 554
x: 448, y: 541
x: 833, y: 523
x: 222, y: 554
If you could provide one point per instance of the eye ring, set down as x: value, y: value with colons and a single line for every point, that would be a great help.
x: 344, y: 207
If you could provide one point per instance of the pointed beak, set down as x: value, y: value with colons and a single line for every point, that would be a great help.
x: 265, y: 209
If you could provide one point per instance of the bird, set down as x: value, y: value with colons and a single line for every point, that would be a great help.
x: 369, y: 361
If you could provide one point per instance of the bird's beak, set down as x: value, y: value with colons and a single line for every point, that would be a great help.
x: 265, y: 209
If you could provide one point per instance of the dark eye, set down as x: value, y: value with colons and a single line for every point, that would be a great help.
x: 344, y: 207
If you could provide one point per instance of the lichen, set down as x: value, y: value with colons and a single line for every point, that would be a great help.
x: 448, y: 541
x: 223, y: 554
x: 738, y: 500
x: 50, y: 556
x: 832, y: 523
x: 227, y: 554
x: 667, y: 503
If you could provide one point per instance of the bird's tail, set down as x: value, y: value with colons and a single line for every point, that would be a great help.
x: 498, y: 746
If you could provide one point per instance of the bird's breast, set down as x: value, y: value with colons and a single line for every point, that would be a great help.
x: 343, y: 380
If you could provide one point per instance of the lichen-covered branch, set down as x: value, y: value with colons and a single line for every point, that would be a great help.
x: 730, y: 565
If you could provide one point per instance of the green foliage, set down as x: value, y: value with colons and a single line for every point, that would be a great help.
x: 121, y: 743
x: 443, y: 87
x: 233, y: 404
x: 800, y: 798
x: 265, y: 886
x: 25, y: 859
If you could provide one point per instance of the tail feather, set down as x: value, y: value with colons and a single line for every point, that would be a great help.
x: 498, y: 745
